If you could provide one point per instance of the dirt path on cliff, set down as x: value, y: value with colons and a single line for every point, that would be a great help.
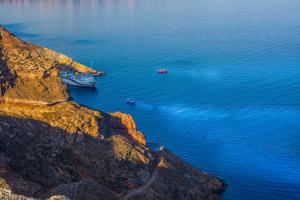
x: 143, y: 188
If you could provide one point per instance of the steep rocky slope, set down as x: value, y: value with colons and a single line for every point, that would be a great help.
x: 36, y: 69
x: 53, y: 148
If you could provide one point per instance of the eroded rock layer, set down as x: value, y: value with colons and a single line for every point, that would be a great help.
x: 53, y: 148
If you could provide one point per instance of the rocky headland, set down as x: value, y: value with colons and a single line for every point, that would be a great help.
x: 53, y: 148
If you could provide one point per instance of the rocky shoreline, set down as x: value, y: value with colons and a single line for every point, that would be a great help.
x: 53, y: 148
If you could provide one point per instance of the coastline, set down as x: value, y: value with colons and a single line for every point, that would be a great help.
x: 86, y: 137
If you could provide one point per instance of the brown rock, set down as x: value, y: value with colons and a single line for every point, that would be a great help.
x: 85, y: 189
x: 32, y: 61
x: 125, y: 121
x: 53, y: 148
x: 122, y: 121
x: 138, y: 136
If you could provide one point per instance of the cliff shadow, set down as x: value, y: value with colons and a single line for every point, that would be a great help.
x: 6, y: 77
x: 37, y: 160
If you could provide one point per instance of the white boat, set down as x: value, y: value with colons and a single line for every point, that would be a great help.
x: 131, y: 102
x: 78, y: 79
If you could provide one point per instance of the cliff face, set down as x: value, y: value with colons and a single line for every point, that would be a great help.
x: 36, y: 69
x: 53, y: 148
x: 6, y: 76
x: 32, y: 61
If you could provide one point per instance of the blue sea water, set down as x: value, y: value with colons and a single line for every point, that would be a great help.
x: 230, y: 103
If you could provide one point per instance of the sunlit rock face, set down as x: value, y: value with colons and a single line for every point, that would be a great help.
x: 53, y: 148
x: 39, y: 91
x: 36, y: 70
x: 32, y: 61
x: 121, y: 121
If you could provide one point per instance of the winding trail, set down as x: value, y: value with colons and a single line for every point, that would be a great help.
x: 144, y: 187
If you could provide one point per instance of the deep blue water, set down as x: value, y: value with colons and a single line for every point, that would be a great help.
x: 230, y: 103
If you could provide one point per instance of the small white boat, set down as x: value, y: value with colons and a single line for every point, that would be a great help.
x: 131, y: 102
x: 78, y: 79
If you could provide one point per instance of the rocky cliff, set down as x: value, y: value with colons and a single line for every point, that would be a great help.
x: 53, y: 148
x: 35, y: 68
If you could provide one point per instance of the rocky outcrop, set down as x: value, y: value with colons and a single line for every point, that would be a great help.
x: 66, y: 115
x: 170, y: 169
x: 32, y: 61
x: 37, y: 91
x: 36, y: 70
x: 53, y: 148
x: 74, y: 119
x: 52, y: 158
x: 121, y: 121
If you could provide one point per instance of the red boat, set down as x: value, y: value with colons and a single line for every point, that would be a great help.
x: 162, y: 71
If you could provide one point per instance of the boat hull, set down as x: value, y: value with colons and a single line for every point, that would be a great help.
x: 73, y: 82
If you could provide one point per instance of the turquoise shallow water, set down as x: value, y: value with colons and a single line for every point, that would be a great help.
x: 230, y: 103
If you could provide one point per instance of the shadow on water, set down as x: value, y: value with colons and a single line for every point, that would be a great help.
x: 91, y: 90
x: 83, y: 42
x: 19, y: 29
x: 84, y: 92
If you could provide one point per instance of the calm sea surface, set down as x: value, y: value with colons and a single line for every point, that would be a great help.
x: 230, y: 103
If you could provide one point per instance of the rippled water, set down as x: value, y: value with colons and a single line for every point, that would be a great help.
x: 230, y: 103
